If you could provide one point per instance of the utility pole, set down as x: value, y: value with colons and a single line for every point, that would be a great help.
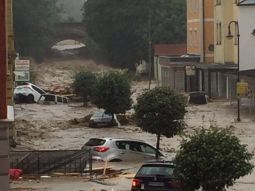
x: 230, y: 36
x: 149, y: 45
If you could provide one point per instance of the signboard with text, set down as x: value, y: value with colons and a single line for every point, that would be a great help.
x: 22, y: 76
x: 22, y: 65
x: 242, y: 89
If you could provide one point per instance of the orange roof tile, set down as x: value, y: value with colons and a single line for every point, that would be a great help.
x: 170, y: 49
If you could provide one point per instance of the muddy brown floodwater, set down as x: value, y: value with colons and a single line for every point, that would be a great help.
x: 49, y: 127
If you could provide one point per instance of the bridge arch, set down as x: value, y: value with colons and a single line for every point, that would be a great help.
x: 74, y: 31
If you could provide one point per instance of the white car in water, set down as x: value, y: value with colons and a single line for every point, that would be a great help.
x: 28, y: 92
x: 117, y: 149
x: 102, y: 119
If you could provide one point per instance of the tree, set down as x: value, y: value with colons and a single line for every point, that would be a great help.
x: 122, y: 28
x: 85, y: 85
x: 113, y: 93
x: 161, y: 111
x: 212, y: 159
x: 34, y: 23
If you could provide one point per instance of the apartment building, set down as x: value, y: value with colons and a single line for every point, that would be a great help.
x: 225, y: 49
x: 227, y: 16
x: 211, y: 61
x: 200, y: 29
x: 189, y: 72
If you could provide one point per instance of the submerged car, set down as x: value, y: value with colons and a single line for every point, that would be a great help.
x: 52, y: 98
x: 156, y: 176
x: 102, y: 119
x: 28, y: 92
x: 117, y: 149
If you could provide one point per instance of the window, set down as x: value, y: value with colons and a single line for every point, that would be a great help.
x: 95, y: 142
x: 135, y: 146
x: 124, y: 145
x: 218, y: 33
x: 218, y: 2
x: 147, y: 149
x: 190, y: 38
x: 164, y: 170
x: 129, y: 145
x: 38, y: 90
x: 195, y: 38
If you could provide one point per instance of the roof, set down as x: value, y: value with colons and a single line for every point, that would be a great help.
x: 249, y: 73
x: 122, y: 139
x: 246, y: 2
x: 170, y: 49
x: 203, y: 66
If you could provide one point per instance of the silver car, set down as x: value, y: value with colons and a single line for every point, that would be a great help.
x: 116, y: 149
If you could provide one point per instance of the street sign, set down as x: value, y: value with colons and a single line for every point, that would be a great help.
x: 22, y: 76
x: 22, y: 65
x: 242, y: 89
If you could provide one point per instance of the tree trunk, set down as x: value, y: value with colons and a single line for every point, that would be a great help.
x: 157, y: 147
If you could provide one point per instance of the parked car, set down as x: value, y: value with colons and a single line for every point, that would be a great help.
x: 156, y: 176
x: 27, y: 93
x: 198, y: 98
x: 116, y: 149
x: 101, y: 119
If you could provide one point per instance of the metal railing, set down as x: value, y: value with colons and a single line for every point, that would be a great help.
x: 50, y: 161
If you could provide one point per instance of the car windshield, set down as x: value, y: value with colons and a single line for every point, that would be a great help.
x: 101, y: 114
x: 95, y: 142
x: 98, y: 114
x: 152, y: 170
x: 38, y: 90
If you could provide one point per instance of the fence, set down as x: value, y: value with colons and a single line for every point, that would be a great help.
x: 49, y: 161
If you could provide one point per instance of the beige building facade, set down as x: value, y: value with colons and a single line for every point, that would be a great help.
x: 225, y: 11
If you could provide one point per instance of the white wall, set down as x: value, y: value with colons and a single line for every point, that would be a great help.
x: 247, y: 40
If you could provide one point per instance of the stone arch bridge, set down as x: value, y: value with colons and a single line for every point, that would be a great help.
x: 74, y: 31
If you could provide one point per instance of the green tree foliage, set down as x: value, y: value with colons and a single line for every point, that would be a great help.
x: 212, y: 159
x: 161, y: 111
x: 85, y: 85
x: 113, y: 93
x: 122, y: 28
x: 34, y: 26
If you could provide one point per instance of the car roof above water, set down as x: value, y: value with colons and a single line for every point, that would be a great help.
x: 160, y: 162
x: 121, y: 139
